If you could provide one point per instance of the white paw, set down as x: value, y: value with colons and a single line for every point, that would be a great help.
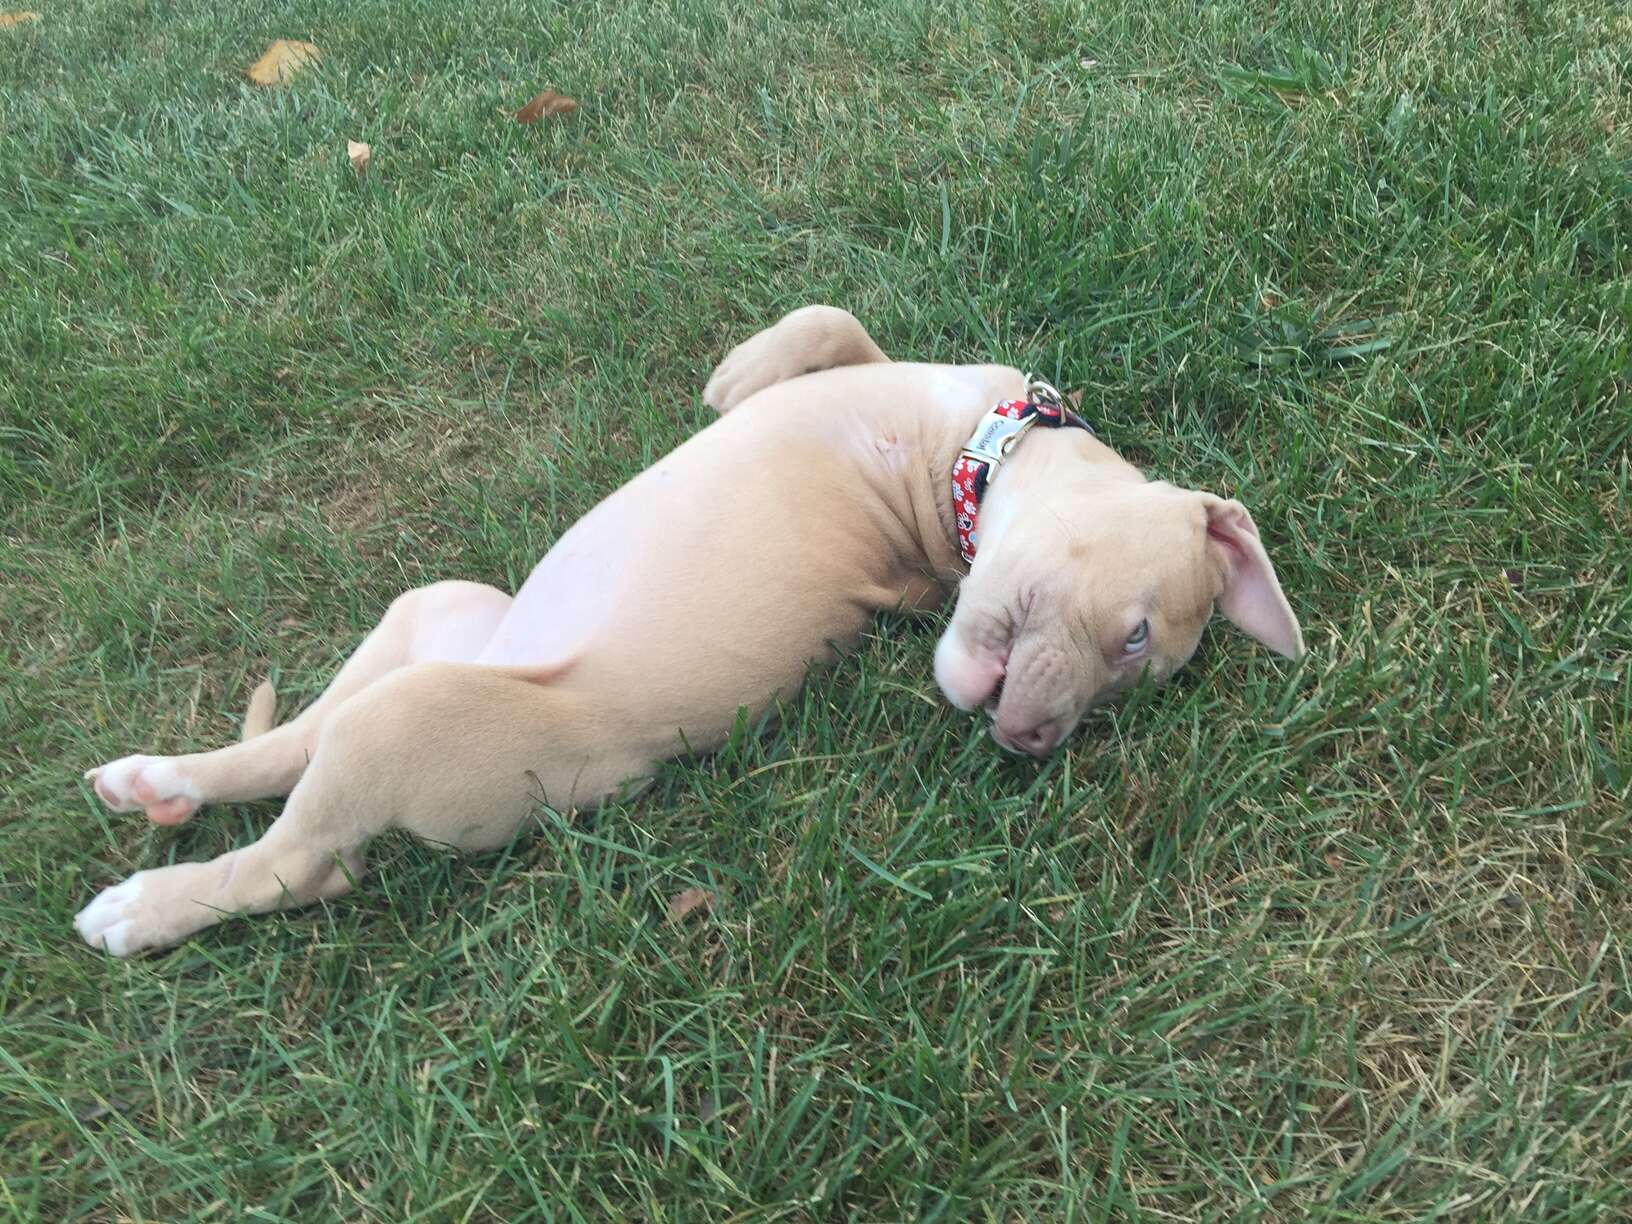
x: 153, y: 909
x: 146, y: 783
x: 758, y: 362
x: 108, y: 922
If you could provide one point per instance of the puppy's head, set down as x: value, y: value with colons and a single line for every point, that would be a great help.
x: 1088, y: 576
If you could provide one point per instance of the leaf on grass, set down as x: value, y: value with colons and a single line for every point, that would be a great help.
x: 1074, y: 398
x: 547, y: 103
x: 1278, y: 82
x: 103, y: 1109
x: 1400, y: 119
x: 1342, y: 352
x: 689, y: 901
x: 282, y: 60
x: 359, y: 154
x: 16, y: 19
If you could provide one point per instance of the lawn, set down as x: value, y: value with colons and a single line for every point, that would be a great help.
x: 1345, y: 939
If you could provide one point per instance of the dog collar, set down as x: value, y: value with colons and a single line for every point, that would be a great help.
x: 999, y: 431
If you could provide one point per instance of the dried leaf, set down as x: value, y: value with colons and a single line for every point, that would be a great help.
x: 95, y: 1113
x: 547, y: 103
x: 1074, y: 398
x: 359, y: 154
x: 689, y: 901
x: 1334, y: 860
x: 282, y: 60
x: 16, y: 19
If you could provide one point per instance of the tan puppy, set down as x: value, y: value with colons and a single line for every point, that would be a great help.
x: 705, y: 586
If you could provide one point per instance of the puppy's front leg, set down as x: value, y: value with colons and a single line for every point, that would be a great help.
x: 804, y: 341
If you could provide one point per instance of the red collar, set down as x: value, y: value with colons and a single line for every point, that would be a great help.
x: 996, y: 435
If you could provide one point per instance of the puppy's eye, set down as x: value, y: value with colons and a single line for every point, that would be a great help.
x: 1138, y: 639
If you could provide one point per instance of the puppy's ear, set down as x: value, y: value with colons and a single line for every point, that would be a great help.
x: 1251, y: 597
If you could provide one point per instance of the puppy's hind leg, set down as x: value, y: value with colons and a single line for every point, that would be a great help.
x: 454, y: 753
x: 447, y: 620
x: 804, y: 341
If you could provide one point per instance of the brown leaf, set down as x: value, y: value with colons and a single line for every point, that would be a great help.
x: 16, y: 19
x: 689, y: 901
x: 1074, y: 398
x: 1334, y: 860
x: 547, y: 103
x: 95, y: 1113
x: 282, y: 60
x: 359, y: 154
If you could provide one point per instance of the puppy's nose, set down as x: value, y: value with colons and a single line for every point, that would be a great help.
x: 1033, y: 741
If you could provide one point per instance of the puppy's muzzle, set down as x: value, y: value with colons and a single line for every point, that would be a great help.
x: 1037, y: 740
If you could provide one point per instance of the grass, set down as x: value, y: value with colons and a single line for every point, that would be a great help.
x: 1346, y: 940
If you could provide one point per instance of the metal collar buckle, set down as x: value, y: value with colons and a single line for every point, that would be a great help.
x: 995, y: 437
x: 1040, y: 392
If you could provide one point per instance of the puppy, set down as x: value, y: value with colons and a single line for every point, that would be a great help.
x: 836, y: 484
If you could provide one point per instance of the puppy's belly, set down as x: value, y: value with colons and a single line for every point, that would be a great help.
x: 668, y: 637
x: 711, y: 581
x: 569, y: 600
x: 656, y: 597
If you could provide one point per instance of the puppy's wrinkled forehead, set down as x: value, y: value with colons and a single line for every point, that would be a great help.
x: 1138, y: 547
x: 1147, y: 554
x: 1128, y: 560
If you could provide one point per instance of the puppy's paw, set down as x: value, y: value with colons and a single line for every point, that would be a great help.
x: 155, y: 785
x: 106, y: 922
x: 801, y: 343
x: 752, y: 366
x: 152, y: 909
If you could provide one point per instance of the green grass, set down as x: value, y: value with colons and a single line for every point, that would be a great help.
x: 1346, y: 940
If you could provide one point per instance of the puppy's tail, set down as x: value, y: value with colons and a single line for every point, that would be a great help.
x: 261, y: 713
